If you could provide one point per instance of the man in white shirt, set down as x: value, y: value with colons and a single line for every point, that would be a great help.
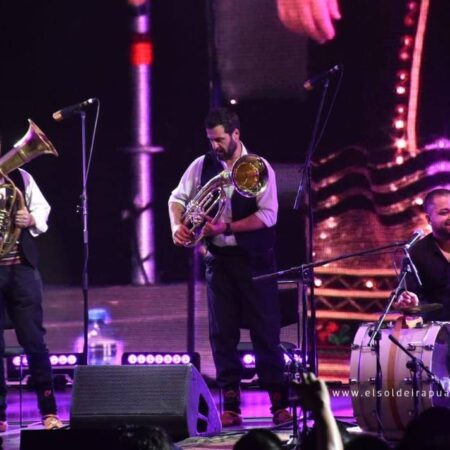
x: 240, y: 246
x: 21, y: 295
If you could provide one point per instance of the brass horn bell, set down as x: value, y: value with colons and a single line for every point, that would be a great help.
x: 249, y: 177
x: 33, y: 144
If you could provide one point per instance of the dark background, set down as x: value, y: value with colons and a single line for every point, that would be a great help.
x: 55, y: 53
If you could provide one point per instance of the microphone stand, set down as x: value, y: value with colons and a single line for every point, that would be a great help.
x: 83, y: 208
x: 304, y: 189
x: 410, y: 267
x: 323, y: 262
x: 416, y: 366
x: 376, y: 337
x: 294, y: 369
x: 306, y: 270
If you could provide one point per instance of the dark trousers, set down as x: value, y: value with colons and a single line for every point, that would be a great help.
x: 21, y: 295
x: 234, y: 297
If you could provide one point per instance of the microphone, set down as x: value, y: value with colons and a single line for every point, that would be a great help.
x: 310, y: 84
x: 418, y: 234
x: 69, y: 111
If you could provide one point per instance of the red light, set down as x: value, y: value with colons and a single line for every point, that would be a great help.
x: 401, y: 143
x: 409, y: 20
x: 408, y: 41
x: 136, y: 3
x: 399, y: 124
x: 142, y: 53
x: 404, y: 54
x: 402, y: 75
x: 400, y: 109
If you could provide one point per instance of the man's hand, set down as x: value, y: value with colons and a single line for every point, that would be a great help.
x: 313, y: 394
x: 406, y: 300
x: 213, y: 229
x: 181, y: 235
x: 24, y: 219
x: 312, y: 18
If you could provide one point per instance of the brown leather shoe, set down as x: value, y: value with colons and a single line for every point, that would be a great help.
x: 281, y: 416
x: 230, y: 419
x: 3, y: 426
x: 51, y: 422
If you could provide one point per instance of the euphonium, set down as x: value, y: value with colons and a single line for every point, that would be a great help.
x: 248, y: 176
x: 33, y: 144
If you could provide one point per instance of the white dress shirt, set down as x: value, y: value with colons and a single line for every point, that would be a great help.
x: 267, y: 201
x: 36, y: 203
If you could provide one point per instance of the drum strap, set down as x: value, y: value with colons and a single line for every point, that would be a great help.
x: 390, y: 382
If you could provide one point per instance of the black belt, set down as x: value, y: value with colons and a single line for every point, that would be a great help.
x: 228, y: 250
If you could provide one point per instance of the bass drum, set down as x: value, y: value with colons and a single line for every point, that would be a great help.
x: 429, y: 343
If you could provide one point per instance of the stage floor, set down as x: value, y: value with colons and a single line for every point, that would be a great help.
x: 255, y: 411
x: 141, y: 319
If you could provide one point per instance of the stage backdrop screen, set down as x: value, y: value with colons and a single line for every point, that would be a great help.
x: 256, y: 56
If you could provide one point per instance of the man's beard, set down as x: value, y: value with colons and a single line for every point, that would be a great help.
x: 227, y: 154
x: 443, y: 233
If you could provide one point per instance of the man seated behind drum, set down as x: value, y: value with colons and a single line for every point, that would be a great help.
x: 431, y: 256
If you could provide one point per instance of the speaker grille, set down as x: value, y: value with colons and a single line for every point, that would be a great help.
x: 174, y: 397
x: 127, y: 390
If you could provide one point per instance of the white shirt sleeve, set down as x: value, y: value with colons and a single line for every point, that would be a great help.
x: 189, y: 183
x: 36, y: 204
x: 268, y: 200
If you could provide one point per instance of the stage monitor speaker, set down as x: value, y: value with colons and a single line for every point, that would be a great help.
x: 173, y: 397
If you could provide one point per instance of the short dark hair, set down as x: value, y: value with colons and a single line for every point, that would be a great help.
x: 429, y: 198
x: 136, y: 437
x: 262, y: 439
x: 223, y: 116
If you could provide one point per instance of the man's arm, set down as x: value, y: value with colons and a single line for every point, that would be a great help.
x: 180, y: 232
x: 249, y: 223
x: 35, y: 215
x: 180, y: 197
x: 313, y: 396
x: 265, y: 216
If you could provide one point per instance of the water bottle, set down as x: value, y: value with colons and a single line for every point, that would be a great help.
x: 102, y: 347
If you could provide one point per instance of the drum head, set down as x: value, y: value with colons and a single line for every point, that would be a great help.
x: 429, y: 344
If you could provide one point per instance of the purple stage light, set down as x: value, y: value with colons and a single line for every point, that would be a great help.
x: 62, y: 364
x: 161, y: 358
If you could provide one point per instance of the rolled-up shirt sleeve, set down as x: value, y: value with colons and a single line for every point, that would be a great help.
x: 36, y: 203
x: 189, y: 183
x: 267, y: 201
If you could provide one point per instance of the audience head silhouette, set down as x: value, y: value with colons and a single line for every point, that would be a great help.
x: 144, y: 438
x: 429, y: 431
x: 259, y: 439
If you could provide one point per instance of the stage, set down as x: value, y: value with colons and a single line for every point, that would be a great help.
x: 155, y: 319
x: 141, y: 319
x: 255, y: 411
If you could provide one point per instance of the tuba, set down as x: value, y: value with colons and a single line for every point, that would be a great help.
x: 33, y: 144
x: 248, y: 176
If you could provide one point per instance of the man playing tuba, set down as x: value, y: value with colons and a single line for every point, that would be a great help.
x: 21, y: 220
x: 239, y: 246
